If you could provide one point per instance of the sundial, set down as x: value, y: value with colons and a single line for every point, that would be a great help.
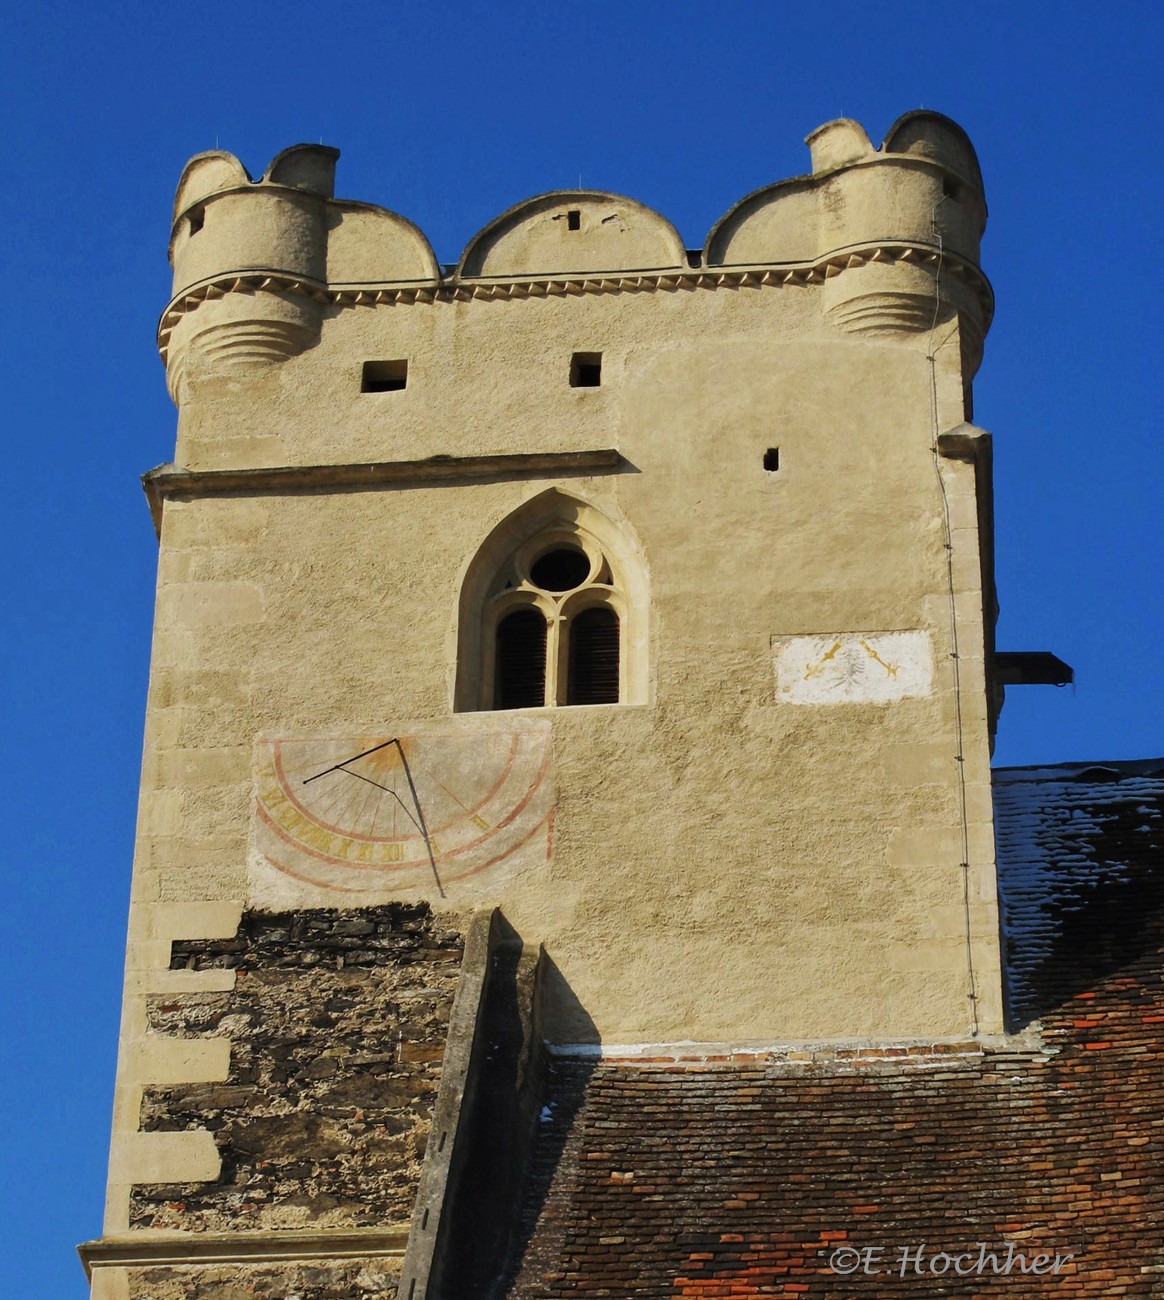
x: 425, y: 808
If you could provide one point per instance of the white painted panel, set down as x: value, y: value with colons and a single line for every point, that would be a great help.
x: 853, y: 667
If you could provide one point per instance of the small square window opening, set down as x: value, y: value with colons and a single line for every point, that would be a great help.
x: 384, y: 376
x: 574, y: 219
x: 772, y: 459
x: 586, y: 370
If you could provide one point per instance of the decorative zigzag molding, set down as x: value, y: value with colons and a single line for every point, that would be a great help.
x: 257, y: 280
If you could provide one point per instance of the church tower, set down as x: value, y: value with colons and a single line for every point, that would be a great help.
x: 586, y: 649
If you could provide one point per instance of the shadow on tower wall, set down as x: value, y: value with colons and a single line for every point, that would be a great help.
x: 487, y: 1169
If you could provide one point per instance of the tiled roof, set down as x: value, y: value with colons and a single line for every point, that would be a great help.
x: 1080, y: 864
x: 743, y: 1177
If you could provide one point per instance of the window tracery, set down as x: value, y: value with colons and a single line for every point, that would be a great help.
x: 553, y: 612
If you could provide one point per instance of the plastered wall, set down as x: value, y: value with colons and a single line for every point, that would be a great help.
x: 744, y: 866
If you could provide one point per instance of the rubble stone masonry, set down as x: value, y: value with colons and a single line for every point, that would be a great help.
x: 349, y: 1280
x: 337, y: 1023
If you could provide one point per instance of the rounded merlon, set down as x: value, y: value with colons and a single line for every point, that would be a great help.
x: 570, y: 231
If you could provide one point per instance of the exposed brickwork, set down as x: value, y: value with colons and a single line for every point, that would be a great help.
x: 742, y: 1178
x: 372, y: 1279
x: 337, y: 1026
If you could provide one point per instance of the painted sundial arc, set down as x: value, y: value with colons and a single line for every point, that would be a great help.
x: 430, y: 807
x: 345, y: 788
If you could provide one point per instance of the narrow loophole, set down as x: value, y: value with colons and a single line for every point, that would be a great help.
x: 772, y: 459
x: 574, y: 219
x: 384, y: 376
x: 586, y: 370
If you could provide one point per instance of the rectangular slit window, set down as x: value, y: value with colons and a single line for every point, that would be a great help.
x: 772, y: 459
x: 574, y: 219
x: 384, y: 376
x: 586, y: 370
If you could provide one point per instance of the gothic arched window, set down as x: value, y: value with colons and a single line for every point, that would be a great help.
x: 553, y: 612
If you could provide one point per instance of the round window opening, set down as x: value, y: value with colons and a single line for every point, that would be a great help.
x: 560, y: 570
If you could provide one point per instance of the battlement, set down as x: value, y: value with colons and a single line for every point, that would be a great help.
x: 890, y: 235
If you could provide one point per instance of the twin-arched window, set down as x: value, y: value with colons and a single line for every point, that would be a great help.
x: 552, y: 612
x: 557, y: 637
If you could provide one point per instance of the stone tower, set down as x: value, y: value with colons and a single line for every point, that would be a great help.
x: 587, y: 648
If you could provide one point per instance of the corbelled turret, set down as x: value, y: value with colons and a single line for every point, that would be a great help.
x: 894, y: 232
x: 273, y: 234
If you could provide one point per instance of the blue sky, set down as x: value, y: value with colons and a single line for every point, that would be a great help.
x: 449, y: 113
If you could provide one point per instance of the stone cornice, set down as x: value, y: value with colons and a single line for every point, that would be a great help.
x: 454, y: 289
x: 168, y: 481
x: 137, y: 1249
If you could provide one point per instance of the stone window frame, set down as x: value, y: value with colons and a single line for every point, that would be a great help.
x: 496, y: 582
